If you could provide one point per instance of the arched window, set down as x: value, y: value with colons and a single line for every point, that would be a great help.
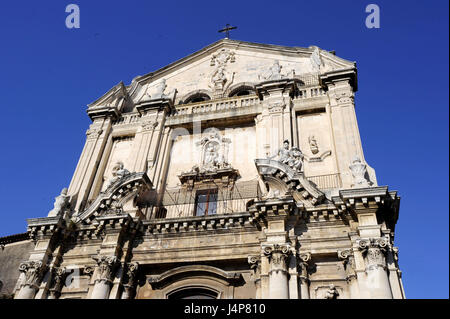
x: 193, y: 293
x: 198, y: 97
x: 242, y: 91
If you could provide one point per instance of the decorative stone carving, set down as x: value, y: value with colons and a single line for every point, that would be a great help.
x: 222, y: 57
x: 273, y: 72
x: 157, y: 92
x: 349, y: 263
x: 374, y: 250
x: 106, y: 268
x: 118, y: 172
x: 278, y: 255
x: 304, y: 259
x: 344, y: 97
x: 59, y: 275
x: 132, y: 269
x: 220, y: 78
x: 60, y: 205
x: 331, y: 292
x: 33, y: 271
x: 313, y: 146
x: 93, y: 133
x: 116, y: 208
x: 359, y: 172
x: 149, y: 125
x: 315, y: 60
x: 214, y: 153
x: 255, y: 263
x: 292, y: 157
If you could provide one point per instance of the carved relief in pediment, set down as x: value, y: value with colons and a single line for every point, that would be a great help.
x: 220, y: 77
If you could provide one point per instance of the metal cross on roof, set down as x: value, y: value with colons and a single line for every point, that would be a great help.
x: 227, y: 30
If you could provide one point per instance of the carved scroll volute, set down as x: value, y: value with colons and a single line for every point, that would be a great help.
x: 349, y: 263
x: 59, y: 275
x: 255, y: 264
x: 129, y: 286
x: 278, y: 255
x: 33, y: 272
x: 304, y: 259
x: 106, y: 267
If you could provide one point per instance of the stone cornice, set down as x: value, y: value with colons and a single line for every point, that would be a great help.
x: 349, y: 74
x: 198, y: 223
x: 44, y: 226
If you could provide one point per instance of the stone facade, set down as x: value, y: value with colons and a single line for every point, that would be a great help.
x: 236, y: 172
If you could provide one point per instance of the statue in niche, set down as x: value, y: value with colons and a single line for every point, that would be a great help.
x: 118, y: 172
x: 214, y: 153
x: 60, y: 205
x: 331, y: 292
x: 158, y: 92
x: 292, y: 157
x: 313, y: 144
x: 359, y: 171
x: 211, y: 157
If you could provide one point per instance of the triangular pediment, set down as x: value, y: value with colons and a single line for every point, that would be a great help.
x: 229, y: 64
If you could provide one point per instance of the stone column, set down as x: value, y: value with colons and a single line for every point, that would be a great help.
x: 377, y: 283
x: 255, y: 265
x: 305, y: 258
x: 349, y: 266
x: 129, y: 288
x: 105, y: 272
x: 394, y: 273
x: 32, y: 272
x: 278, y: 274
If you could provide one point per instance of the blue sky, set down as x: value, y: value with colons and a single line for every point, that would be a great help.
x: 50, y: 73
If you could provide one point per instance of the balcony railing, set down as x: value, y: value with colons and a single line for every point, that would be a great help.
x: 216, y: 105
x: 127, y: 119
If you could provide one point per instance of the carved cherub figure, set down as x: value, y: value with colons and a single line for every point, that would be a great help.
x: 331, y: 293
x: 296, y: 159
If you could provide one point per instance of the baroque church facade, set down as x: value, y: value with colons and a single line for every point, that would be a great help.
x: 235, y: 172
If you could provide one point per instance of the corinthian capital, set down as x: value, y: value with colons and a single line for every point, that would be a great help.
x: 278, y: 255
x: 374, y: 250
x: 106, y: 267
x: 33, y: 271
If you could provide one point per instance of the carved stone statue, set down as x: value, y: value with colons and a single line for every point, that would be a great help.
x: 118, y: 172
x: 214, y: 153
x: 211, y: 158
x: 313, y: 144
x: 359, y: 170
x: 331, y: 293
x: 273, y: 72
x: 60, y: 205
x: 283, y: 153
x: 295, y: 159
x: 315, y: 60
x: 158, y: 91
x: 292, y: 157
